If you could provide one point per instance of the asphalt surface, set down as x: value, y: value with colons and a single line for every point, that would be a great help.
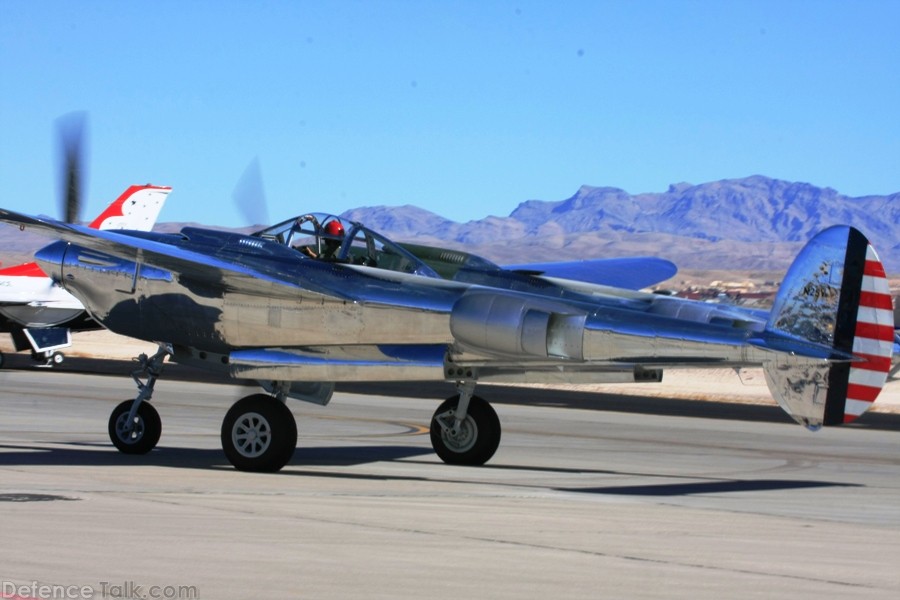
x: 588, y: 496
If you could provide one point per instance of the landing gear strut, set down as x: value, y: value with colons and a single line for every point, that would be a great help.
x: 465, y: 429
x: 134, y: 425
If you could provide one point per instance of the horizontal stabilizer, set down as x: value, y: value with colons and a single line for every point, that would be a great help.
x: 835, y: 296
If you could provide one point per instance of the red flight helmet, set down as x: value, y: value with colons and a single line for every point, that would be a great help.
x: 334, y: 228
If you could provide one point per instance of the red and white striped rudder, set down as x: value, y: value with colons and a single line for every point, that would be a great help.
x: 834, y: 297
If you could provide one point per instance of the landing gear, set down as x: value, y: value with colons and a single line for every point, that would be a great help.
x: 134, y: 425
x: 48, y: 358
x: 2, y: 359
x: 465, y: 429
x: 259, y: 433
x: 138, y: 434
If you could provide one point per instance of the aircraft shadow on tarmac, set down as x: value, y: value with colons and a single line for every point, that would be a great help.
x: 213, y: 459
x: 103, y: 455
x: 718, y: 486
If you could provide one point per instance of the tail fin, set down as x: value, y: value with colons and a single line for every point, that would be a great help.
x: 137, y: 208
x: 835, y: 295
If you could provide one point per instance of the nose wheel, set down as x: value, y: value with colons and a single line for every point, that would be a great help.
x: 49, y: 359
x: 138, y: 434
x: 134, y: 425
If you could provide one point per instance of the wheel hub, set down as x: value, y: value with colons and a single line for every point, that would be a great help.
x: 251, y: 435
x: 129, y: 432
x: 459, y: 437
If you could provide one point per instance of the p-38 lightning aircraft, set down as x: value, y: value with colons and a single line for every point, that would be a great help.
x: 37, y: 312
x: 318, y: 299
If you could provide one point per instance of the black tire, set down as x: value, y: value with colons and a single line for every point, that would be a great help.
x: 259, y: 434
x: 2, y: 360
x: 479, y: 434
x: 145, y: 434
x: 57, y: 358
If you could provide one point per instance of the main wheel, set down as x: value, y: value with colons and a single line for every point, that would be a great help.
x: 2, y: 358
x: 145, y: 430
x: 259, y: 433
x: 57, y: 358
x: 477, y: 437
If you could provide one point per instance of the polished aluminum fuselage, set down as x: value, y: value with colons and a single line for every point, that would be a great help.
x: 201, y: 311
x: 256, y: 294
x: 256, y: 307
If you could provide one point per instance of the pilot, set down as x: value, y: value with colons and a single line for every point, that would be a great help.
x: 334, y: 237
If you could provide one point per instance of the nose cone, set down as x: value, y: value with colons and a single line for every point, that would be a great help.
x: 51, y: 258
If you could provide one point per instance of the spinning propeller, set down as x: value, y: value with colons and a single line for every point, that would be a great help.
x: 250, y: 197
x: 71, y: 131
x: 249, y: 194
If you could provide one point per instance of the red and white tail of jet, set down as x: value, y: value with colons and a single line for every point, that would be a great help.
x: 30, y: 300
x: 137, y: 208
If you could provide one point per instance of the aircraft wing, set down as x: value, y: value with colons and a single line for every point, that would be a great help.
x: 630, y: 273
x: 200, y: 267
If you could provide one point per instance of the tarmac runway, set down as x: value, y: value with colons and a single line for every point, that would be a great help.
x: 588, y: 498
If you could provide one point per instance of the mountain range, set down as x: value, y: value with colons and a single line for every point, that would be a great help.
x: 750, y: 223
x: 756, y: 223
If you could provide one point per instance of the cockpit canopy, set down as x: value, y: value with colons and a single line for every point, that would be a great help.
x: 330, y: 238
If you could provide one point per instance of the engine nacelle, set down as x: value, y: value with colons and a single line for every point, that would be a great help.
x: 511, y: 325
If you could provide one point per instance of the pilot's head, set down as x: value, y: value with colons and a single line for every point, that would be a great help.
x: 335, y: 232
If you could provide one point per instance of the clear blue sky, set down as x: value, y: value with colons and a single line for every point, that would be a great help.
x: 465, y: 108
